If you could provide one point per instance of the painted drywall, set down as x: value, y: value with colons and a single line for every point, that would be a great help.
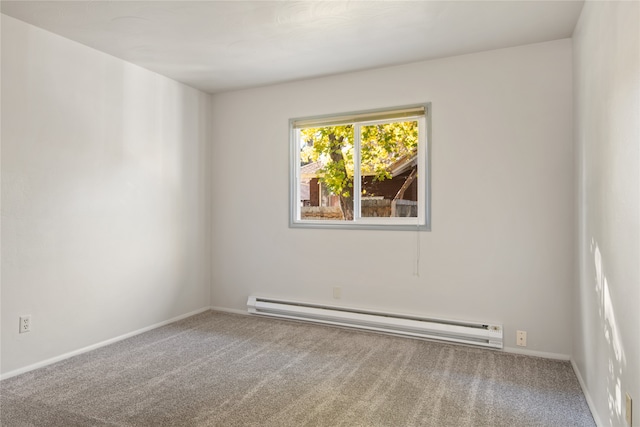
x: 105, y: 196
x: 607, y: 133
x: 501, y: 243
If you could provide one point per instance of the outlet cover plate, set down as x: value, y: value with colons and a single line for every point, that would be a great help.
x: 25, y: 324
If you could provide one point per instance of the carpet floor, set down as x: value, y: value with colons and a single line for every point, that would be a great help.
x: 220, y: 369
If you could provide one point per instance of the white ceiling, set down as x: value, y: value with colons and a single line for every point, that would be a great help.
x: 223, y: 45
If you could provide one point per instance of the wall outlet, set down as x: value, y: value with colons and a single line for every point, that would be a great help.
x: 25, y: 324
x: 337, y: 292
x: 521, y: 338
x: 629, y: 410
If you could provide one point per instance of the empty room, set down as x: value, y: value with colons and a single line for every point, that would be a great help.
x: 320, y: 213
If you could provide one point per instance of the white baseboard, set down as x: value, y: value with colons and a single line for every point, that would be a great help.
x: 230, y: 310
x: 587, y: 397
x: 544, y: 354
x: 98, y: 345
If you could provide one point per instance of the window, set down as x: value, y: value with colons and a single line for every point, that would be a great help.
x: 361, y: 170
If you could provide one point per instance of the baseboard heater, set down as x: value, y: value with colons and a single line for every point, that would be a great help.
x: 470, y: 333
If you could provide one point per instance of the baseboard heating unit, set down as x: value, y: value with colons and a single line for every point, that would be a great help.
x: 470, y: 333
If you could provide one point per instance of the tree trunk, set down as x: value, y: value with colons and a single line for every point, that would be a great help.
x: 346, y: 202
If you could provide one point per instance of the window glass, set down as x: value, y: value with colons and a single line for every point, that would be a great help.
x: 388, y: 169
x: 326, y: 167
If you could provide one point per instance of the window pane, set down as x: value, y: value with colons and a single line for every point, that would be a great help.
x: 389, y: 168
x: 326, y: 173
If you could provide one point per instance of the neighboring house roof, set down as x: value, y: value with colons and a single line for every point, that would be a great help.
x: 403, y: 164
x: 310, y: 170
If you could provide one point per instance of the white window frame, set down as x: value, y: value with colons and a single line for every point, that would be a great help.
x: 421, y: 222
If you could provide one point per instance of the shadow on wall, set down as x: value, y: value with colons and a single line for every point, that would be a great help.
x: 617, y: 362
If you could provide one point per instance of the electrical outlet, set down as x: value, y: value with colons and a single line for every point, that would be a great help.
x: 25, y: 324
x: 521, y: 338
x: 337, y: 292
x: 629, y: 410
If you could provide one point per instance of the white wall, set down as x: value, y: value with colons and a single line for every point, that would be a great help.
x: 105, y: 196
x: 607, y: 137
x: 501, y: 243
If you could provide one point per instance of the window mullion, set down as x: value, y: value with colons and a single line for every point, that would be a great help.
x: 357, y: 180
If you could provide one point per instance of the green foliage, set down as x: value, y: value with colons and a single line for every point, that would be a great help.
x: 380, y: 146
x: 333, y: 147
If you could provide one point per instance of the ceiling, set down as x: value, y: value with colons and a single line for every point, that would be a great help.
x: 219, y: 46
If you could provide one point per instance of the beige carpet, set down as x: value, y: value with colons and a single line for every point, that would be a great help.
x: 218, y: 369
